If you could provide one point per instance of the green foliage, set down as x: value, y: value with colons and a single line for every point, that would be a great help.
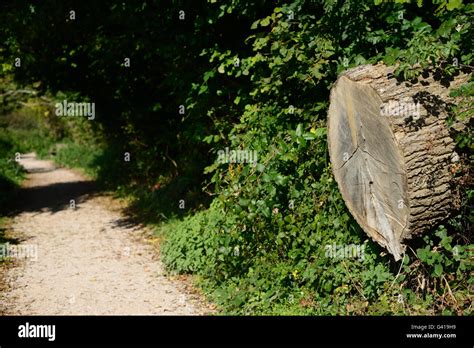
x: 444, y: 256
x: 251, y: 77
x: 271, y: 221
x: 75, y: 155
x: 11, y: 173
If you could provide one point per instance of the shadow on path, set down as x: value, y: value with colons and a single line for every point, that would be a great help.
x: 54, y: 197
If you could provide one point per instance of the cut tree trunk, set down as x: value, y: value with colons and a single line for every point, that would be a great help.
x: 391, y: 151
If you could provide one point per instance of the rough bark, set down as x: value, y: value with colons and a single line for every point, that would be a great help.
x: 391, y: 151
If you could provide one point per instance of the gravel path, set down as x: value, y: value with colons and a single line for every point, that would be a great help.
x: 85, y: 261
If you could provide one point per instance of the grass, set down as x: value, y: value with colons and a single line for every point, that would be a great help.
x: 78, y: 156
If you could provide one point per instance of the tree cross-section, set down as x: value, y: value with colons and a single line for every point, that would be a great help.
x: 391, y: 151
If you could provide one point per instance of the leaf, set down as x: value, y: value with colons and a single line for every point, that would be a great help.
x: 438, y: 270
x: 422, y: 254
x: 266, y: 211
x: 208, y: 75
x: 208, y: 139
x: 320, y: 131
x: 265, y: 22
x: 202, y: 89
x: 243, y: 202
x: 260, y: 167
x: 281, y: 180
x: 211, y: 168
x: 391, y: 55
x: 454, y: 4
x: 299, y: 130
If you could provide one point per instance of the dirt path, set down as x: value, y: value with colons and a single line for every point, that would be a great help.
x: 84, y: 261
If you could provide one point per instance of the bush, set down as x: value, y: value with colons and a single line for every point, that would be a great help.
x: 272, y: 222
x: 11, y: 174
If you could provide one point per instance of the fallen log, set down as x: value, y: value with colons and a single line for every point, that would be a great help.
x: 391, y: 151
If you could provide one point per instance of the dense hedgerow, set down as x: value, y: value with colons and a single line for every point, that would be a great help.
x: 262, y: 246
